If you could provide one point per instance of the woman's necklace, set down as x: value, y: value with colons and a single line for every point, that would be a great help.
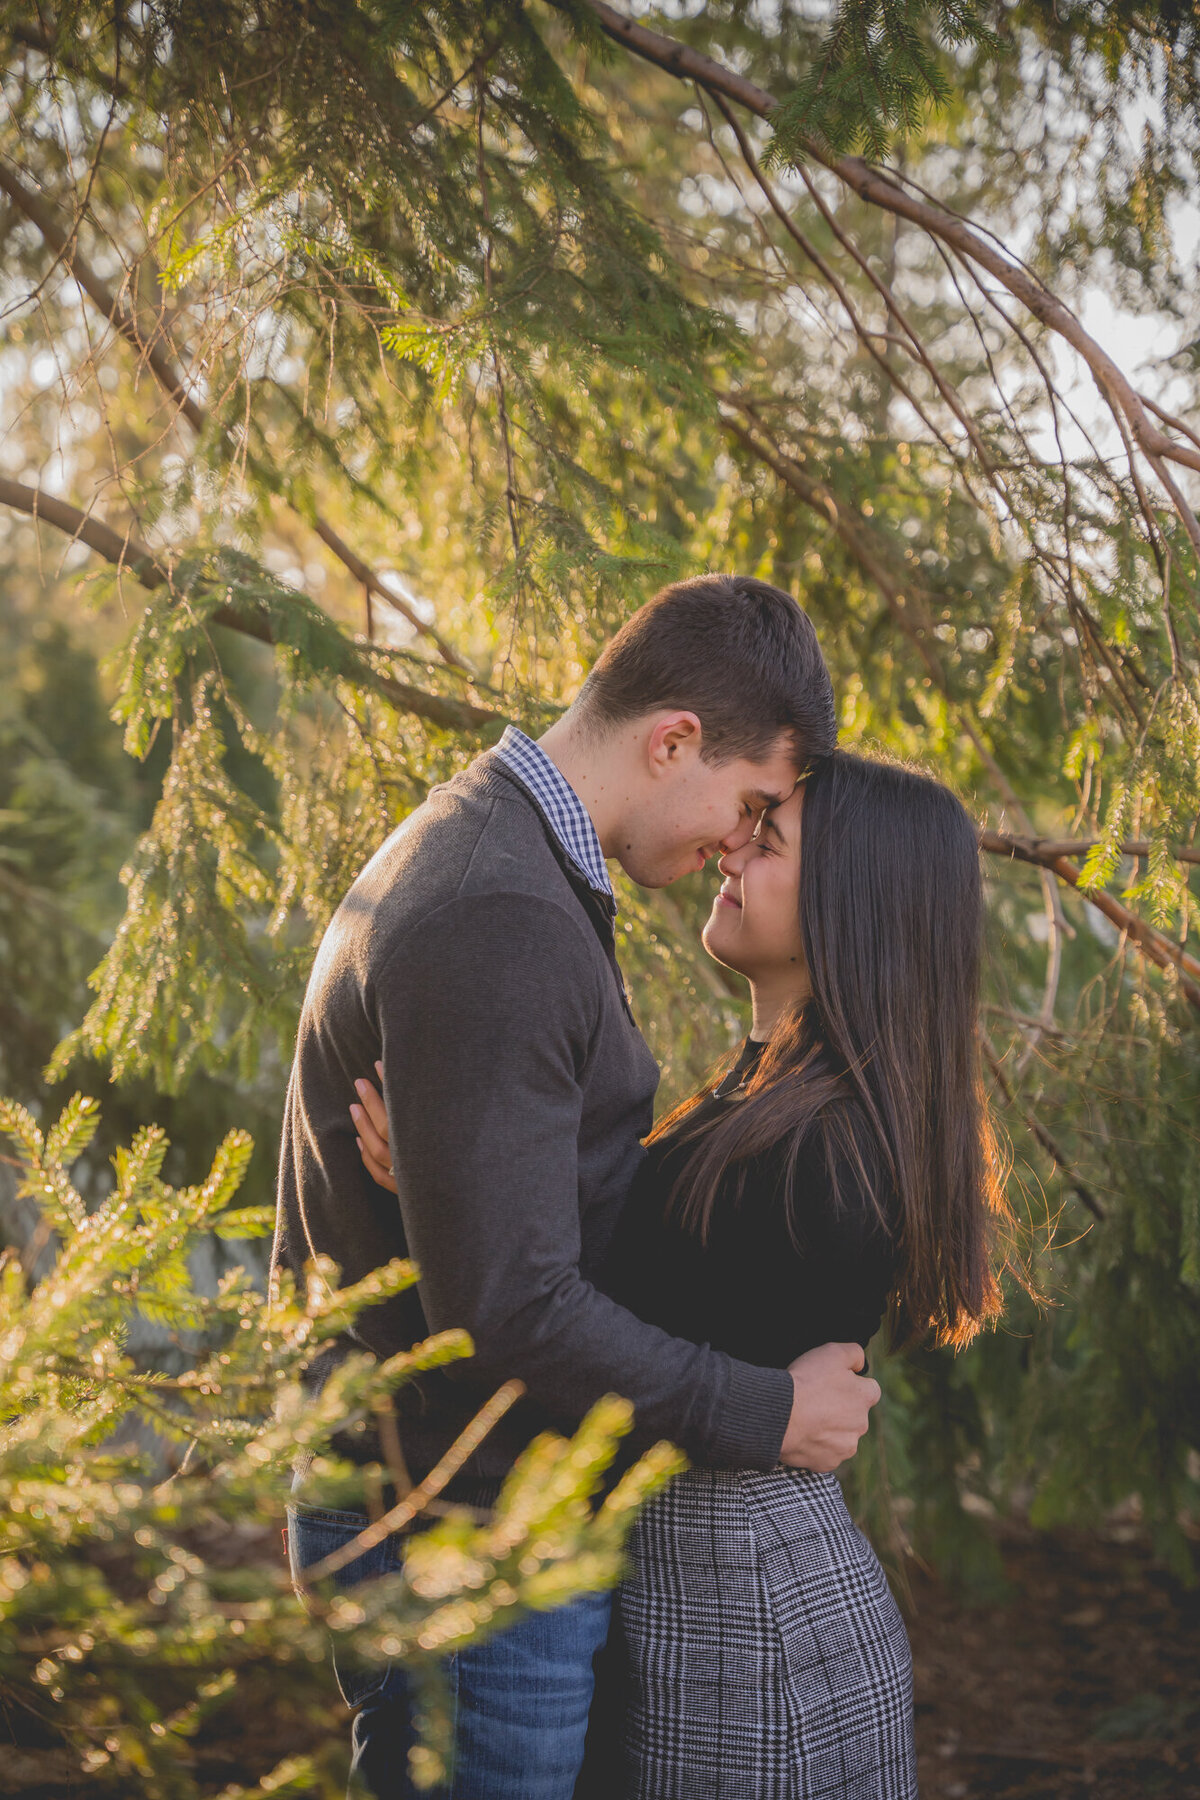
x: 732, y: 1086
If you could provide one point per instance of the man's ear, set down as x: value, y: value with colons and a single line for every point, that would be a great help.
x: 674, y: 738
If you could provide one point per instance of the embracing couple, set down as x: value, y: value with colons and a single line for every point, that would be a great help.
x: 726, y: 1274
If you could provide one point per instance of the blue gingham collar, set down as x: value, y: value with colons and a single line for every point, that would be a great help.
x: 563, y: 810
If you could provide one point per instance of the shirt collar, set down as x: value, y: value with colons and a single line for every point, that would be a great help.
x: 563, y: 810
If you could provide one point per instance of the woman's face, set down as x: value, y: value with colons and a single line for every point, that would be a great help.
x: 754, y: 926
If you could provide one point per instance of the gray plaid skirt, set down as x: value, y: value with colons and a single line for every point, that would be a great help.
x: 764, y: 1654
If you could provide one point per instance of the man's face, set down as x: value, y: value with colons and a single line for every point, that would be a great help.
x: 691, y: 810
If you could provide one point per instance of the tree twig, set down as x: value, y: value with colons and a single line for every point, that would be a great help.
x: 157, y: 353
x: 880, y: 188
x: 904, y: 604
x: 1055, y: 926
x: 865, y: 337
x: 1041, y: 1132
x: 1159, y: 948
x: 402, y: 1514
x: 443, y: 710
x: 1138, y: 847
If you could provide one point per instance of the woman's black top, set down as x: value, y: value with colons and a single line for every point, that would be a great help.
x: 757, y: 1288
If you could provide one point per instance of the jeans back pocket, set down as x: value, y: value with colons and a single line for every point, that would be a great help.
x: 315, y: 1532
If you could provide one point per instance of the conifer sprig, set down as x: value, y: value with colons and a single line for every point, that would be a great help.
x: 880, y: 72
x: 105, y: 1564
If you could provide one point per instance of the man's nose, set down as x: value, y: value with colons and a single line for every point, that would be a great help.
x: 737, y: 838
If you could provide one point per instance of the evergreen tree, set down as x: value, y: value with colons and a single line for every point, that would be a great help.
x: 116, y: 1609
x: 386, y: 356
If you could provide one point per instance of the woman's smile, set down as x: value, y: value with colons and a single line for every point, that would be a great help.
x: 762, y: 887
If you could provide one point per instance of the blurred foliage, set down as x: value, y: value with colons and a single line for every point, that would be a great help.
x: 106, y: 1574
x: 878, y: 74
x: 408, y: 348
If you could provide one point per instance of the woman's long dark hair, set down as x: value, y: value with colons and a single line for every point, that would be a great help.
x: 880, y: 1067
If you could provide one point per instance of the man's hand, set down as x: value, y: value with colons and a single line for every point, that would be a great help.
x: 831, y: 1405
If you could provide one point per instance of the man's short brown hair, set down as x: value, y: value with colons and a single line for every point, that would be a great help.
x: 738, y: 653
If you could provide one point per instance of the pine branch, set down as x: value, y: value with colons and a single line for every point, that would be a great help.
x: 442, y: 710
x: 157, y: 352
x: 917, y: 626
x: 1041, y: 1132
x: 66, y: 249
x: 418, y: 1498
x: 1159, y: 948
x: 878, y: 188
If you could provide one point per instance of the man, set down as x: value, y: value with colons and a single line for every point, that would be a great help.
x: 475, y: 957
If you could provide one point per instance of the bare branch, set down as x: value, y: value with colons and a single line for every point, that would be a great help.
x: 1043, y: 1135
x: 442, y: 710
x: 865, y: 337
x: 681, y: 61
x: 121, y: 317
x: 125, y: 550
x: 911, y: 342
x: 903, y: 603
x: 1186, y: 853
x: 363, y: 573
x: 156, y: 351
x: 1159, y: 948
x: 877, y: 187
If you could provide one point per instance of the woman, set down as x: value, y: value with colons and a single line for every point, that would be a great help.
x: 842, y: 1168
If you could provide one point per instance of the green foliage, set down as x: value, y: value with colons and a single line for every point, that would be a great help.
x: 1116, y: 1358
x: 513, y: 316
x: 64, y: 826
x: 878, y: 75
x: 121, y: 1627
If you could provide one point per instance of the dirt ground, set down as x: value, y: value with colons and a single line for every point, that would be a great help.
x: 1083, y: 1685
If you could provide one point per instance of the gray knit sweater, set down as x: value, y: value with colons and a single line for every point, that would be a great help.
x: 474, y: 960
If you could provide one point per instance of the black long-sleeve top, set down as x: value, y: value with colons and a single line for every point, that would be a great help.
x: 758, y: 1288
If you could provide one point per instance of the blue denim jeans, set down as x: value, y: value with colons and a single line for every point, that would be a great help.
x: 520, y: 1700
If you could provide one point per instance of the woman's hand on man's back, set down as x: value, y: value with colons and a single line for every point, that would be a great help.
x: 370, y: 1122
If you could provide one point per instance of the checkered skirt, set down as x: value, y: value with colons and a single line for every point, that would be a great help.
x: 765, y: 1655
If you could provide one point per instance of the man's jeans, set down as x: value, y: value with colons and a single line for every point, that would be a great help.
x: 520, y: 1700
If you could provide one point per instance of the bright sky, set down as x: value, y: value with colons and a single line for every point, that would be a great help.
x: 1139, y: 344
